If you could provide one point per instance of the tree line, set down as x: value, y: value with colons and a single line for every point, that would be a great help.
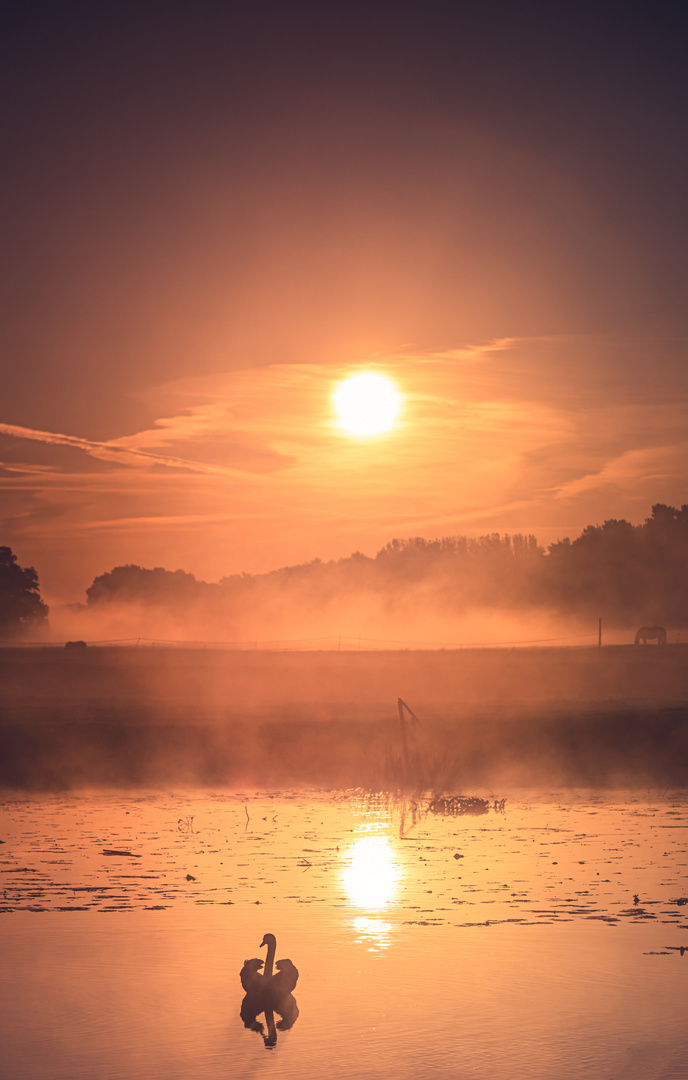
x: 629, y: 574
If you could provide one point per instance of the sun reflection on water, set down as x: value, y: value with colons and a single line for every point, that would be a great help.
x: 370, y: 872
x: 375, y: 933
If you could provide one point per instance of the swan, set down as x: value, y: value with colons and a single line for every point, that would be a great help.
x: 269, y: 991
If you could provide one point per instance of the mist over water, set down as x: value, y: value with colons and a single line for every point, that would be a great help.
x: 157, y: 716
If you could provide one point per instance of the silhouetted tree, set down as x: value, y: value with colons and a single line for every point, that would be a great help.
x: 136, y: 583
x: 629, y: 573
x: 21, y: 607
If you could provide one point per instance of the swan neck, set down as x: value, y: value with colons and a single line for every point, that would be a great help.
x: 272, y: 949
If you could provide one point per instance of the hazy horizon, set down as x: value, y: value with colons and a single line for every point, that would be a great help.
x: 448, y: 592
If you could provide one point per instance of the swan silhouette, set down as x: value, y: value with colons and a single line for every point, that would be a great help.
x: 269, y: 992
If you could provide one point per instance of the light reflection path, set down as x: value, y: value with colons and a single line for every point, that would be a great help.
x: 375, y: 933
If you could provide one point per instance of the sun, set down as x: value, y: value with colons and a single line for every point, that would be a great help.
x: 367, y: 404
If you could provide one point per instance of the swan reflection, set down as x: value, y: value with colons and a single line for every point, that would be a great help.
x: 371, y: 874
x: 269, y: 993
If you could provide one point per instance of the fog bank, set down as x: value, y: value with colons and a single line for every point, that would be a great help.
x: 490, y: 718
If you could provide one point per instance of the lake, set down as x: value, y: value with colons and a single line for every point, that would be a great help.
x: 542, y: 937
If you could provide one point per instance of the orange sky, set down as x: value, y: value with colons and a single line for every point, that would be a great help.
x: 250, y: 470
x: 209, y: 228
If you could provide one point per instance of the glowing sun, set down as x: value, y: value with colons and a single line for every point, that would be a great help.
x: 367, y: 404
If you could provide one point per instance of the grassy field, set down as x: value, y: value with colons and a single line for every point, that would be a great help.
x: 129, y: 717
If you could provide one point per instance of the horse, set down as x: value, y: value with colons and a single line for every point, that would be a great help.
x: 651, y: 633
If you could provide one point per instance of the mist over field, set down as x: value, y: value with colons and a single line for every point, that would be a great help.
x: 297, y: 618
x: 455, y: 590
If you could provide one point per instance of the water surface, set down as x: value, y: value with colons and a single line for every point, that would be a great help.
x: 542, y: 940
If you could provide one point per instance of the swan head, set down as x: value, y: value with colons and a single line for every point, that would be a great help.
x: 268, y: 939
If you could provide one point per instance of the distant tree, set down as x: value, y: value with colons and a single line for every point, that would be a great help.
x: 136, y: 583
x: 21, y: 607
x: 486, y: 570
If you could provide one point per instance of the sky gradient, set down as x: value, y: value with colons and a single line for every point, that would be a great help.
x: 211, y: 216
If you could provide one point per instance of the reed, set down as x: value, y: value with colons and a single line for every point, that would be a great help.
x: 419, y: 772
x: 411, y: 769
x: 415, y: 781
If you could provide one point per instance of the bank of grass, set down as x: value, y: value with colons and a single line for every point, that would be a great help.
x: 485, y: 720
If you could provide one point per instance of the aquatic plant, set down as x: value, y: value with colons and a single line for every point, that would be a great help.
x: 458, y: 805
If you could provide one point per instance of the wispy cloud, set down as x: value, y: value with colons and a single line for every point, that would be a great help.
x: 632, y: 469
x: 140, y: 450
x: 112, y: 450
